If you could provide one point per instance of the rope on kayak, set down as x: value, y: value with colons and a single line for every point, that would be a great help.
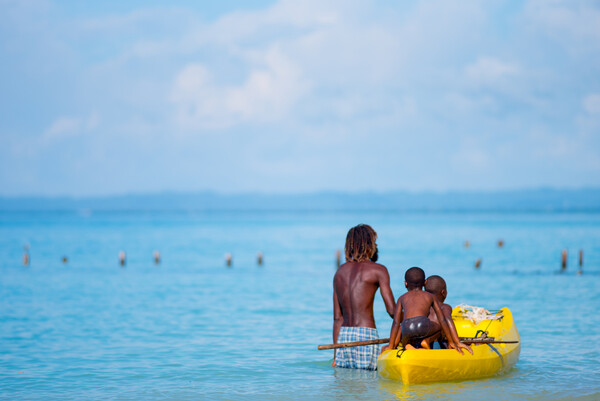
x: 498, y: 353
x: 483, y: 333
x: 488, y: 326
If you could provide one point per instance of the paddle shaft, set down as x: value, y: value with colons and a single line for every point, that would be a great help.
x: 466, y: 340
x: 354, y: 344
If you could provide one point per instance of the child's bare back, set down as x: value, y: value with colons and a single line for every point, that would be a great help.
x: 416, y: 325
x: 416, y: 303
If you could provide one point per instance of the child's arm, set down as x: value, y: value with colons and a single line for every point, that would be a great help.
x: 437, y: 307
x: 396, y: 331
x: 454, y: 341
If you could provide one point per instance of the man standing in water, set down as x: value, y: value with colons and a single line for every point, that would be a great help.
x: 354, y: 288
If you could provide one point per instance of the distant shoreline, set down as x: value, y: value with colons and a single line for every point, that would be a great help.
x: 531, y: 201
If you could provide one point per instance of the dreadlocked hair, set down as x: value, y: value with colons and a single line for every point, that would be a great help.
x: 360, y: 243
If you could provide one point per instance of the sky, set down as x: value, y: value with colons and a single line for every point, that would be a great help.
x: 113, y: 97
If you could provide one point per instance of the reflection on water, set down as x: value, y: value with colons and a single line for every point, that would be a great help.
x: 359, y: 383
x: 448, y: 390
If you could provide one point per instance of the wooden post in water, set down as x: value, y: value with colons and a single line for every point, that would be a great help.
x: 156, y: 257
x: 563, y: 263
x: 580, y: 271
x: 500, y: 243
x: 228, y: 259
x: 122, y: 258
x: 259, y: 258
x: 338, y: 258
x: 65, y: 260
x: 467, y: 244
x: 26, y: 255
x: 478, y: 263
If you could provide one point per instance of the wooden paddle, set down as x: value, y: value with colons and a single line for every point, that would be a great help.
x: 466, y: 340
x: 354, y: 344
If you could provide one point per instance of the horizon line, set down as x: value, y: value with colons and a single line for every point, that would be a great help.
x: 299, y: 193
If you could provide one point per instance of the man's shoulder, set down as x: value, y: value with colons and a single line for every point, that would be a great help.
x: 366, y: 265
x: 376, y: 272
x: 377, y: 267
x: 339, y: 272
x: 344, y: 268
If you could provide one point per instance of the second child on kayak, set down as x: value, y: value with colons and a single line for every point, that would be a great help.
x: 436, y: 286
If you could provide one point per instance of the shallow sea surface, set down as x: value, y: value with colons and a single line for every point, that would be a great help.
x: 191, y: 328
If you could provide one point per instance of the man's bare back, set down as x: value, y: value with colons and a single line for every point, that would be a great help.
x: 355, y: 285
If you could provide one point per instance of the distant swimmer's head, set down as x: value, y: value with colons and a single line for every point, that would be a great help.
x: 437, y: 286
x: 361, y: 244
x: 414, y: 278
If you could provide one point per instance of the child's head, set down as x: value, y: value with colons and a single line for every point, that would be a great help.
x: 414, y: 278
x: 437, y: 286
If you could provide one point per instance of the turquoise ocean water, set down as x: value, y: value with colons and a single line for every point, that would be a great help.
x: 191, y: 328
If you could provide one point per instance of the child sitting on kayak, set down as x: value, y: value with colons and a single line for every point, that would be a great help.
x: 411, y: 323
x: 436, y: 286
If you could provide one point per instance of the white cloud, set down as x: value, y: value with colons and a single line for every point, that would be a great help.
x: 567, y: 20
x: 490, y: 71
x: 92, y: 121
x: 317, y: 61
x: 68, y: 127
x: 591, y: 103
x: 284, y: 16
x: 267, y: 94
x: 63, y: 127
x: 472, y: 156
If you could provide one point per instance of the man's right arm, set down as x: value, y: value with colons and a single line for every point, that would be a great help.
x: 338, y: 319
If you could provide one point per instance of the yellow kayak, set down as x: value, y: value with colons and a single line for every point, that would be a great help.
x: 423, y: 365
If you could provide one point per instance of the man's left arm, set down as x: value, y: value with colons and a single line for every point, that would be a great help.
x: 386, y: 291
x: 396, y: 330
